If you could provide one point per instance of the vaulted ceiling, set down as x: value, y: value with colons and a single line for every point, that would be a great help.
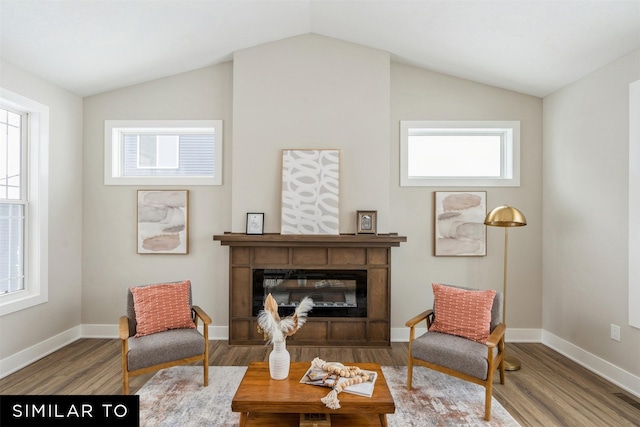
x: 530, y: 46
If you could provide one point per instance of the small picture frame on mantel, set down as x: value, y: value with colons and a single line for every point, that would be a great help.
x: 255, y: 223
x: 367, y: 222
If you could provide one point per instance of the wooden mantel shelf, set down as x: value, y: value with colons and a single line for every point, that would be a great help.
x: 292, y: 240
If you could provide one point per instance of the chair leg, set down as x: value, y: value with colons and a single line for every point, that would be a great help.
x: 125, y: 367
x: 487, y: 402
x: 205, y: 361
x: 409, y: 373
x: 488, y: 393
x: 125, y: 382
x: 501, y: 364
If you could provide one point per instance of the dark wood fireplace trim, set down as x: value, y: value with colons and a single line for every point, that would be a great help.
x: 344, y: 251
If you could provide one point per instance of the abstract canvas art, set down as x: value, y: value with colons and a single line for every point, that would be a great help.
x: 163, y: 222
x: 310, y: 191
x: 459, y: 223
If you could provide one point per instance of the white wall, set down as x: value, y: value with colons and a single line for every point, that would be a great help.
x: 23, y: 332
x: 585, y: 235
x: 109, y: 259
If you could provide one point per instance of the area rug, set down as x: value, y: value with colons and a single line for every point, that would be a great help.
x: 176, y: 397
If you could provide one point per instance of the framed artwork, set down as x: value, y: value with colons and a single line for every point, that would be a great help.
x: 255, y: 223
x: 367, y: 222
x: 310, y: 191
x: 163, y: 221
x: 459, y: 228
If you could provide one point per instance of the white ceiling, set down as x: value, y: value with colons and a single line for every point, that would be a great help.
x: 530, y: 46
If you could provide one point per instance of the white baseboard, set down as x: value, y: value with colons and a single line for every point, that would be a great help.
x: 29, y: 355
x: 512, y: 335
x: 620, y: 377
x: 111, y: 331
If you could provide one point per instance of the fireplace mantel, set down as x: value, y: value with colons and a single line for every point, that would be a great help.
x: 341, y: 240
x: 369, y: 252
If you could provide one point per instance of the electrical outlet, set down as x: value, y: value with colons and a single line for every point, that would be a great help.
x: 615, y: 332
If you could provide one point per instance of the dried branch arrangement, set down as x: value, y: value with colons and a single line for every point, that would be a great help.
x: 275, y: 329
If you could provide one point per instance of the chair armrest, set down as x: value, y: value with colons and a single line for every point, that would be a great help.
x: 496, y: 335
x: 419, y: 318
x: 202, y: 315
x: 411, y: 323
x: 124, y: 328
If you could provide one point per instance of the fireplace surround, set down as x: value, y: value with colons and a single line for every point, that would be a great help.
x: 289, y: 260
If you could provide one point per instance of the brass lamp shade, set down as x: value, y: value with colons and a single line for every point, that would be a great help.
x: 505, y: 216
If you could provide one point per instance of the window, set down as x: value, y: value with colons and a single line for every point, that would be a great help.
x: 459, y: 153
x: 12, y: 199
x: 163, y: 152
x: 24, y: 129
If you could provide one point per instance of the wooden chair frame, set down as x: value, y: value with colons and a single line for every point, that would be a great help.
x: 124, y: 336
x: 496, y: 339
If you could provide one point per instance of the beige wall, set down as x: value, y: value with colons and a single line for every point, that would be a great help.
x: 27, y: 328
x: 586, y: 149
x: 418, y: 94
x: 109, y: 260
x: 310, y: 92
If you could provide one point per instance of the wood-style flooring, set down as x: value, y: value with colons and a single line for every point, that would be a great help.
x: 549, y: 390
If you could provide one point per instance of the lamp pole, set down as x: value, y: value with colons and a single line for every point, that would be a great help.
x: 504, y: 282
x: 506, y: 216
x: 510, y: 362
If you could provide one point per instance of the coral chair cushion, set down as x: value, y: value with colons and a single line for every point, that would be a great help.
x: 162, y: 307
x: 462, y: 312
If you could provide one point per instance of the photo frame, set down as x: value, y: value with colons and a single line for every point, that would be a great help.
x: 310, y: 191
x: 163, y: 222
x: 459, y: 228
x: 367, y: 222
x: 255, y: 223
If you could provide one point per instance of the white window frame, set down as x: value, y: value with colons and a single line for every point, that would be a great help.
x: 115, y: 129
x: 36, y: 240
x: 510, y: 152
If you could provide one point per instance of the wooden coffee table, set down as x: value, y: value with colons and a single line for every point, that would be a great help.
x: 262, y: 401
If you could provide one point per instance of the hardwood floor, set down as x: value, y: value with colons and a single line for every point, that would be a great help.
x: 549, y: 390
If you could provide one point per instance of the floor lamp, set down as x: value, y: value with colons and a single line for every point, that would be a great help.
x: 506, y: 217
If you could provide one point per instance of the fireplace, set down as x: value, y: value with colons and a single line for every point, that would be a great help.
x: 335, y: 293
x: 348, y: 276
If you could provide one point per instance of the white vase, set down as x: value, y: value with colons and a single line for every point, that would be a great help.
x: 279, y: 360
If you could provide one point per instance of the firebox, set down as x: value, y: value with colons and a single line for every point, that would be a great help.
x: 335, y: 293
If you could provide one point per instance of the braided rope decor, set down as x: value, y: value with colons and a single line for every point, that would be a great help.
x: 335, y: 371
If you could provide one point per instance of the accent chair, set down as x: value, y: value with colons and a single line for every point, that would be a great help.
x: 456, y: 355
x: 160, y: 330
